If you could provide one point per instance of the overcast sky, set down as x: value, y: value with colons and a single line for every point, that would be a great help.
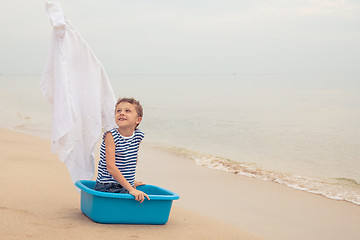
x: 192, y: 36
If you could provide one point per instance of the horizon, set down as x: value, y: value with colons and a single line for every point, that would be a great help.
x: 192, y: 38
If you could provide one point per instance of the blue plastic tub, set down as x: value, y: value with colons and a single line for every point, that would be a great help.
x: 103, y: 207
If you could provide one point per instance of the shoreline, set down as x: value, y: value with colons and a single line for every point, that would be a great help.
x: 339, y: 189
x: 266, y: 209
x: 213, y: 204
x: 332, y: 173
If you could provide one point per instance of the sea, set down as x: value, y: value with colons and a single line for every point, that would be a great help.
x: 301, y: 131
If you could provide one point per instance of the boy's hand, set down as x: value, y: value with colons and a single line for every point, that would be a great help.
x: 139, y: 195
x: 136, y: 183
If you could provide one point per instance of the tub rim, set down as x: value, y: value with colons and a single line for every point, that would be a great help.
x: 80, y: 184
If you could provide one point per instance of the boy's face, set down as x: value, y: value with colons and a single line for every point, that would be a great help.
x: 126, y: 116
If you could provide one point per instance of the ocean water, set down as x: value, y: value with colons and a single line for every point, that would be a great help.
x: 300, y: 131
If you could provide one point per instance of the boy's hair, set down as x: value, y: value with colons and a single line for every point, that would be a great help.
x: 134, y: 102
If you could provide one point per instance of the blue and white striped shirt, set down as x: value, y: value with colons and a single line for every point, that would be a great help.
x: 126, y: 151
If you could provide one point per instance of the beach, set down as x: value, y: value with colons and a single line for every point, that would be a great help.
x: 305, y: 138
x: 39, y: 201
x: 251, y: 114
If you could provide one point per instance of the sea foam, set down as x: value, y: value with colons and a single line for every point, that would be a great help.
x: 334, y: 188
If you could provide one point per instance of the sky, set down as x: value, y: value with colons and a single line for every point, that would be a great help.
x: 192, y: 36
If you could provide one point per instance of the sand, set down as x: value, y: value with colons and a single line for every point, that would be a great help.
x: 39, y: 201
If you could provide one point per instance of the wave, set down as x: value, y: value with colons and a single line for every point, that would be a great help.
x: 334, y: 188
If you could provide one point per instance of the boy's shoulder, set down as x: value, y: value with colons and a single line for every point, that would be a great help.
x: 116, y: 135
x: 113, y: 132
x: 139, y: 133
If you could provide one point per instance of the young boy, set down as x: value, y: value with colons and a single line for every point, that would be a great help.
x: 119, y: 151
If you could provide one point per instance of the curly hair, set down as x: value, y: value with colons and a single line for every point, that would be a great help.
x: 134, y: 102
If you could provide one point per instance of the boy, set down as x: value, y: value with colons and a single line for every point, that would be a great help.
x: 119, y: 149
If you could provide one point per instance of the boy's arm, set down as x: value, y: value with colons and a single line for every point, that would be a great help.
x: 114, y: 171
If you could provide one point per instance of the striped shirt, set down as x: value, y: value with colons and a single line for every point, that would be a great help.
x: 126, y: 151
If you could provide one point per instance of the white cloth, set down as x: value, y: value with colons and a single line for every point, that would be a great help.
x: 77, y: 87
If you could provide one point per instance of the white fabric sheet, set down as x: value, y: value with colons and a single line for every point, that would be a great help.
x: 77, y: 87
